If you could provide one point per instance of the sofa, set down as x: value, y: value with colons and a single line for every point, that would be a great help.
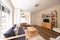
x: 11, y: 33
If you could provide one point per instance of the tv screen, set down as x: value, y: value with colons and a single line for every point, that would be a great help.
x: 46, y: 20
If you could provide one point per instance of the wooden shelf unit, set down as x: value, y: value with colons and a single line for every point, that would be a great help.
x: 52, y: 20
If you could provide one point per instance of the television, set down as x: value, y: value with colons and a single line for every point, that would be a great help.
x: 45, y: 20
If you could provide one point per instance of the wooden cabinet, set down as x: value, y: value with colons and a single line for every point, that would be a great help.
x: 46, y: 25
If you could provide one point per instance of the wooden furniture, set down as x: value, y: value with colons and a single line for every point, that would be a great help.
x: 15, y: 37
x: 46, y: 25
x: 50, y: 20
x: 31, y: 32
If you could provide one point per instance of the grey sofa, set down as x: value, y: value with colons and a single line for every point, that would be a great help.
x: 11, y: 33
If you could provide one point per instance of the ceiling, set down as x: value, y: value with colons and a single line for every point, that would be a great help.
x: 34, y: 5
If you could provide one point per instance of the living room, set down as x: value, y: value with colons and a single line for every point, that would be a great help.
x: 41, y: 15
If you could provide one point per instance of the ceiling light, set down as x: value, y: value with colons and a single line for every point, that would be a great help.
x: 36, y: 5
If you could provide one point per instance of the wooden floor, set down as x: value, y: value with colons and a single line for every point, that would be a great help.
x: 46, y: 33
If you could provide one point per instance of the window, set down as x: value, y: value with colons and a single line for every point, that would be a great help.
x: 23, y: 18
x: 4, y: 20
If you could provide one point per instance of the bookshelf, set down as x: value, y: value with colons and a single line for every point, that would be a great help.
x: 54, y: 19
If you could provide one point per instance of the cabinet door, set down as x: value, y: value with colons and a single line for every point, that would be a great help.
x: 46, y: 25
x: 43, y: 24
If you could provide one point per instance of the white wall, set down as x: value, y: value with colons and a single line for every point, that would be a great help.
x: 28, y: 17
x: 37, y: 17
